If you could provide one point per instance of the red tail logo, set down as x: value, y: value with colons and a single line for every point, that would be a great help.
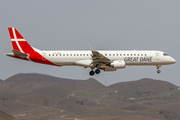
x: 23, y: 50
x: 18, y: 42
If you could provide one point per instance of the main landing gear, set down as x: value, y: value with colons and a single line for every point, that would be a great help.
x: 97, y: 71
x: 158, y: 66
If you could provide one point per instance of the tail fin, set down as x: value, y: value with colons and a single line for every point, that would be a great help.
x: 18, y: 42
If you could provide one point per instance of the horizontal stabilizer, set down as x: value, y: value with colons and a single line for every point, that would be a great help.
x: 17, y: 53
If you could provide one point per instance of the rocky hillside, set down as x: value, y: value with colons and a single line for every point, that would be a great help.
x: 38, y: 96
x: 4, y: 116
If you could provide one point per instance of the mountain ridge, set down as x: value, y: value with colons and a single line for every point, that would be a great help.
x: 23, y: 83
x: 25, y: 95
x: 151, y: 84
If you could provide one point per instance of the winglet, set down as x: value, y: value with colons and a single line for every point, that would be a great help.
x: 91, y: 47
x: 97, y: 57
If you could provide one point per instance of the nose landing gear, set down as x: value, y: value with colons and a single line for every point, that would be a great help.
x: 158, y: 66
x: 158, y: 71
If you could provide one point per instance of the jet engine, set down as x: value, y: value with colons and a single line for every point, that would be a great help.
x: 120, y: 64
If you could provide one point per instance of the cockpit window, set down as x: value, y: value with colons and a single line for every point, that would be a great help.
x: 165, y: 54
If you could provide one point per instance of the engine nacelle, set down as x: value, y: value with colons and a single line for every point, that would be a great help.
x: 120, y: 64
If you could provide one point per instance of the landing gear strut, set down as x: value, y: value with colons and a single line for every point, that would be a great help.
x: 158, y: 66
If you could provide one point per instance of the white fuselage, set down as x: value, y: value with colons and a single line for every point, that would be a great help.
x: 104, y: 60
x: 136, y: 57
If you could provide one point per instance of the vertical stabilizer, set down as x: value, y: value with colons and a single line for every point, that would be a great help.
x: 18, y: 42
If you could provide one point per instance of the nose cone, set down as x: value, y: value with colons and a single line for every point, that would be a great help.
x: 173, y: 60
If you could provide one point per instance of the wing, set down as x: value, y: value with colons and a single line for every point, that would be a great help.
x: 98, y: 58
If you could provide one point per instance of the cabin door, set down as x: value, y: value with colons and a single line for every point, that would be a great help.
x: 157, y: 56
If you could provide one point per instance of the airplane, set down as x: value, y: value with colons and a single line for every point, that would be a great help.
x: 107, y: 60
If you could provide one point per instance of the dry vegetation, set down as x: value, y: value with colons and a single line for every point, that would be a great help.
x: 36, y: 96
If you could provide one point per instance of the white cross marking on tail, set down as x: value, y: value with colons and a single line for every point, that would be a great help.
x: 15, y: 39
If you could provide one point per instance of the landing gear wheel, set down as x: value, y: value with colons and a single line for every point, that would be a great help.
x: 97, y: 71
x: 158, y: 66
x: 91, y: 73
x: 158, y: 71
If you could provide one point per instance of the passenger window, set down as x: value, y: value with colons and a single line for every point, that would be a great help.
x: 127, y: 54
